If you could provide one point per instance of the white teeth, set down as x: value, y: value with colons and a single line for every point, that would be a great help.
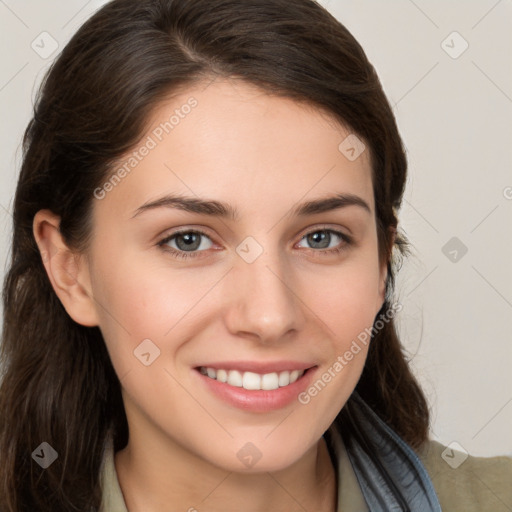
x: 235, y: 378
x: 294, y: 375
x: 284, y: 379
x: 222, y: 375
x: 270, y: 381
x: 251, y: 380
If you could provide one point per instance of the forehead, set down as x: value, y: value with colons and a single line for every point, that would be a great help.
x: 230, y: 140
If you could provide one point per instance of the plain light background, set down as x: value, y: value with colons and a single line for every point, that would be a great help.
x: 454, y: 111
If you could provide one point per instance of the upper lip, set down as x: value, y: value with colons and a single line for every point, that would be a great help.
x: 259, y: 367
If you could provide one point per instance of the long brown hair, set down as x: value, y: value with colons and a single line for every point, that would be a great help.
x: 58, y: 384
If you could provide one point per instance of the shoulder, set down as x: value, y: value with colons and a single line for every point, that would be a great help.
x: 465, y: 482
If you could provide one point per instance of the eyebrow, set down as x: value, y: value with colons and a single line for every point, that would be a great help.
x: 224, y: 210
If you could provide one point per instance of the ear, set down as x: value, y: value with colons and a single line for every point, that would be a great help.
x: 67, y: 271
x: 383, y: 274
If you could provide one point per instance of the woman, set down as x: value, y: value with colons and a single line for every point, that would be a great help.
x: 192, y: 170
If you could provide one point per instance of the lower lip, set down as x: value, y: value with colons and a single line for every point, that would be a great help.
x: 258, y: 400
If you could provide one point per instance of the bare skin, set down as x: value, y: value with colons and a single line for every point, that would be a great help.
x: 297, y: 301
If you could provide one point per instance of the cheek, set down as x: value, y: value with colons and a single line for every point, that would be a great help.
x: 347, y: 304
x: 137, y: 301
x: 347, y: 297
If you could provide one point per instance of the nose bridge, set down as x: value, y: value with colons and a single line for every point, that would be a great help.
x: 263, y: 302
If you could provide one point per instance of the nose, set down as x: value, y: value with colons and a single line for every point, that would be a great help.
x: 263, y: 301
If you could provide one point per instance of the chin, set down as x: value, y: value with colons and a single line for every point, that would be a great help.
x: 256, y: 456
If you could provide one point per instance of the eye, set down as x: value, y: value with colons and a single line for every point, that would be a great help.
x: 183, y: 242
x: 191, y: 243
x: 327, y: 240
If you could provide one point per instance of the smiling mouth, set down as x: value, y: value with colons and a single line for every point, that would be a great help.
x: 253, y: 381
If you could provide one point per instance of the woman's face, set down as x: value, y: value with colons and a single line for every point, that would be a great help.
x: 260, y: 285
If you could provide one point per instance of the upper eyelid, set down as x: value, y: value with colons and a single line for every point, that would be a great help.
x: 171, y: 236
x: 179, y: 231
x: 324, y: 228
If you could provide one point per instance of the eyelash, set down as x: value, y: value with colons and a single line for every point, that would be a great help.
x: 197, y: 254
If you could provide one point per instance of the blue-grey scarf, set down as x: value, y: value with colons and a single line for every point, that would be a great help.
x: 390, y: 474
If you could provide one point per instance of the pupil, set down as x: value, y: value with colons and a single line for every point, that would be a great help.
x: 188, y: 241
x: 319, y: 237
